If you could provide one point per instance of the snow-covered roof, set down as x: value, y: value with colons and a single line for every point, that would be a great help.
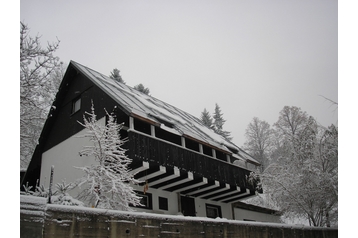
x: 140, y: 105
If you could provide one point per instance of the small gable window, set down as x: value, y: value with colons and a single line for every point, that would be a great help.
x: 76, y: 105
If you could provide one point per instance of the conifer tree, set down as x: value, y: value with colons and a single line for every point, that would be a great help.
x: 206, y: 119
x: 140, y: 87
x: 219, y: 123
x: 116, y: 76
x: 107, y: 183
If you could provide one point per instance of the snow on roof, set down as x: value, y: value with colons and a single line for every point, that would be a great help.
x: 246, y: 156
x: 148, y: 107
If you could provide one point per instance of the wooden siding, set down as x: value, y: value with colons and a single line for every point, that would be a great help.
x: 146, y: 148
x: 65, y: 124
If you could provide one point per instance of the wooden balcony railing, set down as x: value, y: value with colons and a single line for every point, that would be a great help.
x: 146, y: 148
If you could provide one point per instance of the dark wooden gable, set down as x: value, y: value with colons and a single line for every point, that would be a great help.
x: 62, y: 123
x: 66, y: 122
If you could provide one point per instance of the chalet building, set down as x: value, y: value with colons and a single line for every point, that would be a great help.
x: 189, y: 169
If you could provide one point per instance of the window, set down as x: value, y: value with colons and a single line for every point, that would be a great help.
x: 146, y: 200
x: 163, y: 203
x: 221, y: 156
x: 190, y: 144
x: 213, y: 211
x: 207, y: 150
x: 76, y: 105
x: 165, y: 135
x: 142, y: 126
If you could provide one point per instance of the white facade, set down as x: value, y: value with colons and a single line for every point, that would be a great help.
x: 174, y: 204
x: 65, y: 157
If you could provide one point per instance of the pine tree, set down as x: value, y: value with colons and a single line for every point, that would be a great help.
x: 218, y: 119
x: 116, y: 76
x: 140, y: 87
x: 108, y: 181
x: 219, y: 123
x: 206, y: 119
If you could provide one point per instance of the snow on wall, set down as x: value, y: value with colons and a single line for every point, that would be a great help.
x: 243, y: 214
x: 136, y: 214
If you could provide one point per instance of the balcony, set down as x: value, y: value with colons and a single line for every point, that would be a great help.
x: 175, y: 168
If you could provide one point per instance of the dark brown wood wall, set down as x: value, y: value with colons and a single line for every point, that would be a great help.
x: 66, y: 124
x: 149, y: 149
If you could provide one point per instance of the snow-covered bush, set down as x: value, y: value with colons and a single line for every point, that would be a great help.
x: 27, y: 189
x: 41, y: 191
x: 66, y: 199
x: 60, y: 195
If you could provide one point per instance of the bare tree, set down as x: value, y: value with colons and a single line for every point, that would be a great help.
x: 259, y: 140
x: 37, y: 68
x: 291, y: 121
x: 305, y: 182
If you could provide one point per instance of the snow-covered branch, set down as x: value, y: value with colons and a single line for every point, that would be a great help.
x: 107, y: 183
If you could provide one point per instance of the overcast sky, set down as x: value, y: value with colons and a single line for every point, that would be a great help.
x: 251, y: 57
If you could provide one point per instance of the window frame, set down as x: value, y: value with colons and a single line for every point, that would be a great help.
x: 149, y: 200
x: 76, y: 105
x: 216, y: 207
x: 163, y: 203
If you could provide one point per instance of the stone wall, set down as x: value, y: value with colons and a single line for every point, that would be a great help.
x: 38, y: 219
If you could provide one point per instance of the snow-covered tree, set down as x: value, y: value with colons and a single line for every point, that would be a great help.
x: 304, y: 183
x: 219, y: 122
x: 116, y: 76
x: 206, y: 119
x: 37, y: 68
x: 140, y: 87
x: 259, y: 140
x: 291, y: 121
x: 107, y: 182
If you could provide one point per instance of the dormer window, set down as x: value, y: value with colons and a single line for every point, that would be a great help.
x: 76, y: 105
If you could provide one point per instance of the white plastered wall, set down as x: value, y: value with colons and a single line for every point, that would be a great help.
x: 65, y: 157
x: 156, y: 193
x: 200, y: 206
x: 173, y: 204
